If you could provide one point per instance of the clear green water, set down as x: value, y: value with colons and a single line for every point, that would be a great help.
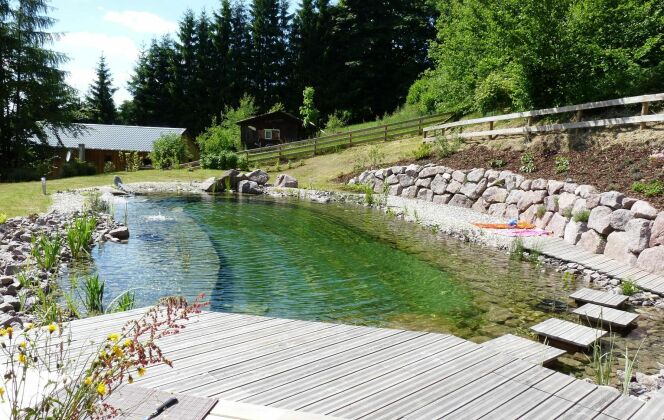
x: 348, y: 264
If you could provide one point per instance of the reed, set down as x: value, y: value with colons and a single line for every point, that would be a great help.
x: 46, y: 251
x: 93, y: 295
x: 79, y: 235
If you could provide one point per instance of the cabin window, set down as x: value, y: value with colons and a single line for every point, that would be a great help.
x: 271, y: 133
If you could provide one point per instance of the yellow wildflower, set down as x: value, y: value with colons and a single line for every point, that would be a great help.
x: 114, y: 337
x: 3, y: 332
x: 141, y: 371
x: 9, y: 331
x: 117, y: 351
x: 101, y: 389
x: 52, y: 328
x: 127, y: 343
x: 130, y: 379
x: 87, y: 381
x: 22, y: 358
x: 28, y: 326
x: 2, y: 392
x: 23, y: 345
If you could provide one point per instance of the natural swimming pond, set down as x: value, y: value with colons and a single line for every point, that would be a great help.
x: 349, y: 264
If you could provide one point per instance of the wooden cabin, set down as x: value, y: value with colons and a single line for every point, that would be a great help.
x: 101, y: 143
x: 270, y: 129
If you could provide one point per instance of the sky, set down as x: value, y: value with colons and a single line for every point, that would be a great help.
x: 118, y: 29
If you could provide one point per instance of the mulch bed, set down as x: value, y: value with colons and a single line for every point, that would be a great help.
x: 613, y: 168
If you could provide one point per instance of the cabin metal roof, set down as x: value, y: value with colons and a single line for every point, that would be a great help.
x: 111, y: 137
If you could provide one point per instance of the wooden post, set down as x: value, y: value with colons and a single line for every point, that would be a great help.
x: 350, y: 139
x: 279, y: 153
x: 491, y: 137
x: 645, y: 108
x: 385, y: 133
x: 315, y: 141
x: 579, y: 114
x: 419, y: 126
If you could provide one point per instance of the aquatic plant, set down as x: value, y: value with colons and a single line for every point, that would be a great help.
x: 46, y: 251
x: 93, y: 294
x: 629, y: 368
x: 123, y: 302
x: 602, y: 361
x: 629, y: 287
x: 94, y: 203
x: 517, y: 249
x: 79, y: 234
x: 368, y: 194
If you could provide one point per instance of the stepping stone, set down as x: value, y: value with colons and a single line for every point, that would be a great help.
x: 524, y: 349
x: 608, y: 317
x: 567, y: 335
x: 599, y: 298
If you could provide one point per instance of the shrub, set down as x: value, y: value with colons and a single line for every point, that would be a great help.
x: 650, y: 188
x: 561, y: 164
x: 444, y: 146
x: 527, y: 163
x: 109, y: 167
x: 3, y: 218
x: 582, y: 216
x: 222, y: 160
x: 131, y: 161
x: 224, y: 133
x: 95, y: 203
x: 169, y: 150
x: 629, y: 287
x: 336, y: 122
x: 78, y: 168
x: 496, y: 163
x: 423, y: 151
x: 376, y: 156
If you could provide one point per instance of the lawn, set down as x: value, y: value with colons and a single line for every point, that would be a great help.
x: 24, y: 198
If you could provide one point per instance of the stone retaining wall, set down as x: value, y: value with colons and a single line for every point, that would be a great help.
x: 609, y: 223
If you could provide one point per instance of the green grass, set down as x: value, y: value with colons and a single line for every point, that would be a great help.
x: 24, y: 198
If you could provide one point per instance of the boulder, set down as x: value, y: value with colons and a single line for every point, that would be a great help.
x: 492, y: 175
x: 512, y: 212
x: 554, y: 187
x: 541, y: 222
x: 6, y: 280
x: 413, y: 170
x: 566, y: 201
x: 600, y: 220
x: 611, y: 199
x: 210, y: 185
x: 530, y: 214
x: 439, y: 184
x: 121, y: 233
x: 442, y: 199
x: 638, y: 234
x: 379, y: 185
x: 657, y: 231
x: 643, y: 209
x: 497, y: 209
x: 475, y: 175
x: 652, y: 259
x: 495, y: 195
x: 362, y: 178
x: 461, y: 200
x: 480, y: 205
x: 592, y: 201
x: 573, y: 232
x: 459, y: 176
x: 260, y: 177
x: 409, y: 192
x: 395, y: 190
x: 513, y: 181
x: 525, y: 185
x: 584, y: 191
x: 570, y: 187
x: 425, y: 194
x: 424, y: 182
x: 286, y: 181
x: 620, y: 218
x: 514, y: 196
x: 249, y: 187
x: 392, y: 179
x: 592, y: 241
x: 229, y: 178
x: 396, y: 170
x: 557, y: 225
x: 430, y: 171
x: 453, y: 187
x: 406, y: 180
x: 539, y: 184
x: 617, y: 249
x: 628, y: 202
x: 529, y: 198
x: 579, y: 206
x: 473, y: 190
x: 551, y: 202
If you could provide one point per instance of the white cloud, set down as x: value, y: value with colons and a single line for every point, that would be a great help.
x: 84, y: 49
x: 141, y: 22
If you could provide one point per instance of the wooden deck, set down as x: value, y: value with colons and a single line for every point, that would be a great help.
x: 599, y: 298
x: 561, y: 331
x: 557, y: 248
x: 524, y: 349
x: 600, y: 315
x: 355, y: 371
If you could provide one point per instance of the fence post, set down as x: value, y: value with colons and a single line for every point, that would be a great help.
x: 315, y: 142
x: 385, y: 139
x: 491, y: 137
x: 645, y: 108
x: 280, y: 153
x: 350, y: 138
x: 419, y: 126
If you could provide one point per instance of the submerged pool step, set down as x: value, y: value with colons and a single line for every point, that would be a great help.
x: 597, y: 297
x: 524, y: 349
x: 608, y: 317
x: 566, y: 334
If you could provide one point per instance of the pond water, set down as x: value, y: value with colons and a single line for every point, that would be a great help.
x: 348, y: 264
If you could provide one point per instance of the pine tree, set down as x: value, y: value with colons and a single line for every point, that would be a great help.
x: 99, y: 105
x: 240, y: 53
x: 222, y: 32
x: 34, y: 97
x: 185, y: 71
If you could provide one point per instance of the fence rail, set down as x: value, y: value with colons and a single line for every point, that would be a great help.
x: 641, y: 119
x: 318, y: 145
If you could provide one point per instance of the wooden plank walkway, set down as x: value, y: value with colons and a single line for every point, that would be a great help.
x: 559, y: 330
x: 522, y: 348
x: 349, y: 371
x: 601, y: 315
x: 557, y: 248
x: 598, y: 297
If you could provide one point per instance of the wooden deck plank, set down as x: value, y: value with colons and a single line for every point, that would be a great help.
x: 598, y: 297
x: 523, y: 348
x: 623, y: 407
x: 651, y: 410
x: 568, y: 332
x: 519, y: 405
x: 600, y: 314
x: 600, y: 398
x: 552, y: 406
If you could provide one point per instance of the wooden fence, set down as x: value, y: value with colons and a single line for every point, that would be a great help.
x: 321, y: 145
x: 447, y: 129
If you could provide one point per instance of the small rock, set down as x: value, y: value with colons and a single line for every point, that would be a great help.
x: 120, y: 233
x: 287, y: 181
x: 6, y: 280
